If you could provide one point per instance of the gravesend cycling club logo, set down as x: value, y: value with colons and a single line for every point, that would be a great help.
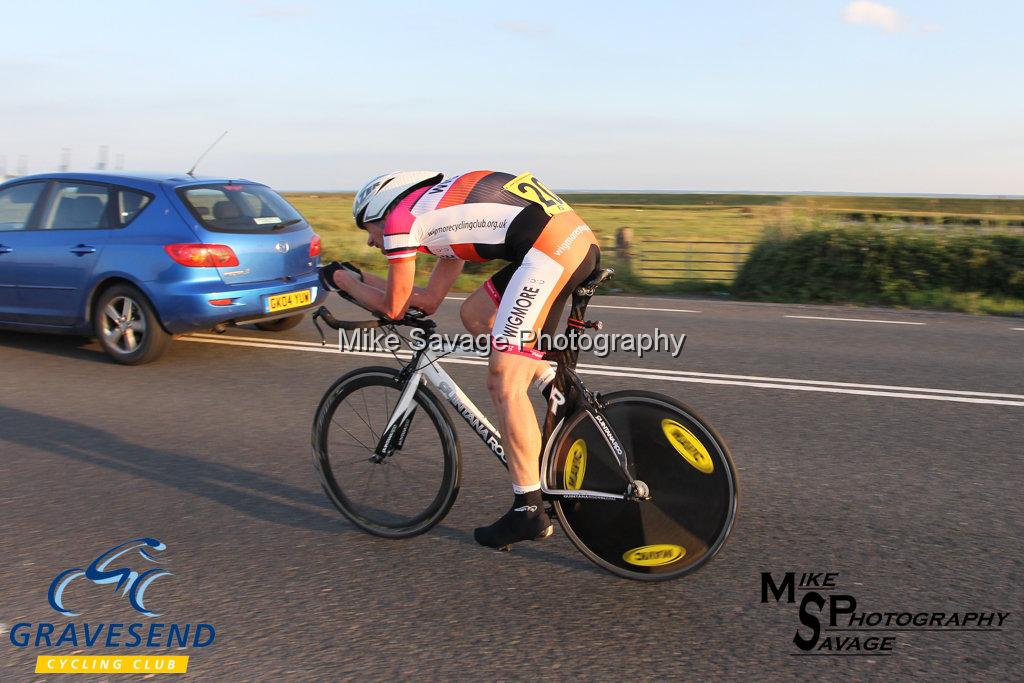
x: 130, y: 569
x: 832, y: 625
x: 131, y: 583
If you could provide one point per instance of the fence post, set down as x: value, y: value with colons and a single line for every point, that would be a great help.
x: 624, y: 249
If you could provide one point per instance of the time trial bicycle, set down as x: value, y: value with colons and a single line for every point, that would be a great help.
x: 642, y: 485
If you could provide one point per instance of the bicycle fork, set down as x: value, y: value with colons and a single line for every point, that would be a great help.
x: 393, y: 436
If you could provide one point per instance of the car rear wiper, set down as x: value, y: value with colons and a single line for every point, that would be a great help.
x: 285, y: 224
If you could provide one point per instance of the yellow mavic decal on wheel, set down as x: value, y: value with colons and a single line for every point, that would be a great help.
x: 575, y: 465
x: 654, y: 555
x: 528, y: 187
x: 688, y: 446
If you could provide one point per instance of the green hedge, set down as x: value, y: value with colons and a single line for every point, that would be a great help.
x: 870, y: 265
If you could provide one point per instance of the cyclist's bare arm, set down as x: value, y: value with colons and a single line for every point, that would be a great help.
x: 375, y: 280
x: 393, y: 298
x: 428, y: 298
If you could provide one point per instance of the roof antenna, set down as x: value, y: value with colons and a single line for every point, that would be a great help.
x: 202, y: 156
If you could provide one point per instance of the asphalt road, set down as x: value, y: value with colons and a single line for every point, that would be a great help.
x: 859, y: 452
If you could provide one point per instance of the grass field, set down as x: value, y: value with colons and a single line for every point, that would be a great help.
x: 724, y: 217
x: 935, y: 205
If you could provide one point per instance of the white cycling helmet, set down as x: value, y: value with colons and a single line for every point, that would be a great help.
x: 384, y: 191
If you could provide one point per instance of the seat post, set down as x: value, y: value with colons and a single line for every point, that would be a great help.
x: 581, y: 296
x: 573, y: 329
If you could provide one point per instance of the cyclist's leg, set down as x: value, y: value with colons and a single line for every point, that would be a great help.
x: 507, y: 380
x: 480, y: 307
x: 563, y: 255
x: 478, y: 310
x: 509, y: 377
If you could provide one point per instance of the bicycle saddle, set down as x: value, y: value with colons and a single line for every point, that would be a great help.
x: 595, y: 280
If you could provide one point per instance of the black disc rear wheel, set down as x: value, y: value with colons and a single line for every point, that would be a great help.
x: 684, y: 463
x: 402, y: 494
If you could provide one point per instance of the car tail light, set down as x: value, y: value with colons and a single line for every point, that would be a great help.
x: 314, y: 246
x: 202, y: 255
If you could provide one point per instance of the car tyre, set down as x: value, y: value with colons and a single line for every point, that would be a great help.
x: 281, y: 324
x: 127, y: 327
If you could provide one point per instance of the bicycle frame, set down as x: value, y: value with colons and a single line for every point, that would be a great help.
x: 424, y: 368
x: 568, y: 396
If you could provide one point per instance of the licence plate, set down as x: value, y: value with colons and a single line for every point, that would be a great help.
x: 282, y: 302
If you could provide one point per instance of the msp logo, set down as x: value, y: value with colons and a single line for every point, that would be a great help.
x: 131, y: 583
x: 831, y: 624
x: 128, y: 567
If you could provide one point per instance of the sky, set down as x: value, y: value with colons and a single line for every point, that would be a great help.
x: 908, y: 96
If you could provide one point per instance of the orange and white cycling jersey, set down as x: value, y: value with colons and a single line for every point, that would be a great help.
x: 470, y: 216
x: 486, y: 215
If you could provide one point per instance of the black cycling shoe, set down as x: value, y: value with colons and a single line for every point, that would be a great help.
x: 526, y: 521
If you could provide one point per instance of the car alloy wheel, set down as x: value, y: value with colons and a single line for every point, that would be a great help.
x: 124, y: 325
x: 127, y: 326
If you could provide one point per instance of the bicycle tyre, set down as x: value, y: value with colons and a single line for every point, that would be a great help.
x: 341, y: 488
x: 694, y: 499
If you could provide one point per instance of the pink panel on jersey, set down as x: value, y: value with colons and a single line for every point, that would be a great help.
x: 400, y: 219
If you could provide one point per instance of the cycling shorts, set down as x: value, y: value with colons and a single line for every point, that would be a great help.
x: 530, y: 293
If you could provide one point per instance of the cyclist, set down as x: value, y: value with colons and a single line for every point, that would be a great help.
x: 482, y: 216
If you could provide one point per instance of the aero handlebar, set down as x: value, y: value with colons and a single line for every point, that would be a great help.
x: 413, y: 318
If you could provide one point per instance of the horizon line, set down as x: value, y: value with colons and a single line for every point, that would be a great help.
x: 765, y: 193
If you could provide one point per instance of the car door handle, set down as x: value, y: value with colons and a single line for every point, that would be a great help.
x: 83, y: 249
x: 4, y: 249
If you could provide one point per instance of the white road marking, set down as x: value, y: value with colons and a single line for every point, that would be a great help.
x: 645, y: 308
x: 624, y: 308
x: 789, y: 380
x: 286, y: 342
x: 919, y: 393
x: 1019, y: 329
x: 853, y: 320
x: 797, y: 387
x: 261, y: 345
x: 664, y: 371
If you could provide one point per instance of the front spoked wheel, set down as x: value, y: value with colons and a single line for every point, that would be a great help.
x: 686, y: 467
x: 405, y: 493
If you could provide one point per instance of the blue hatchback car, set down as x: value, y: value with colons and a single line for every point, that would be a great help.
x: 135, y: 259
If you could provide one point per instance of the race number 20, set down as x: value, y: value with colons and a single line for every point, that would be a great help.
x: 528, y: 187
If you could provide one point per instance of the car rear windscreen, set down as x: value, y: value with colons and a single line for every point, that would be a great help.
x: 239, y: 207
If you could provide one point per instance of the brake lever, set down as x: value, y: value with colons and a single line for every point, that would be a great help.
x: 316, y: 324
